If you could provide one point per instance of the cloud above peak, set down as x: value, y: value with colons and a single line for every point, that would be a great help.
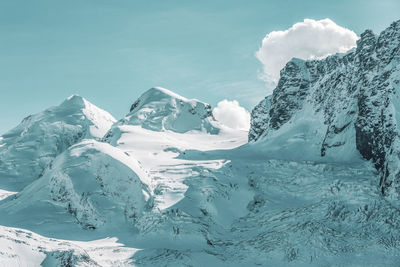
x: 310, y: 39
x: 231, y: 114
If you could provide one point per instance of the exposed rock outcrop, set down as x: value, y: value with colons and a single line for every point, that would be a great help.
x: 353, y: 99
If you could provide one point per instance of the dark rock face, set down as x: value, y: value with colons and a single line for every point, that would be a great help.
x: 357, y: 96
x: 134, y: 105
x: 259, y: 119
x: 292, y: 90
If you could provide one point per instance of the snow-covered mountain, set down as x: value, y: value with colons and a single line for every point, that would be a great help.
x: 177, y: 188
x: 340, y: 107
x: 120, y: 177
x: 91, y: 184
x: 129, y: 184
x: 27, y: 150
x: 160, y: 109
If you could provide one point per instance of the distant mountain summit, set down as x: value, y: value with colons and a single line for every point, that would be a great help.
x: 160, y: 109
x: 27, y: 150
x: 339, y: 107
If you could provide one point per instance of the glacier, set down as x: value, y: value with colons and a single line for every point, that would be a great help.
x: 314, y: 182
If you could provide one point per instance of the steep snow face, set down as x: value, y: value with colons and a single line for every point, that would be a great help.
x: 159, y: 109
x: 93, y: 183
x: 339, y: 107
x: 26, y: 150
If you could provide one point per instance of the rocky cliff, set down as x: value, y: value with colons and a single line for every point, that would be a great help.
x: 351, y: 101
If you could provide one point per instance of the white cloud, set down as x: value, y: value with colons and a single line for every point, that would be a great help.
x: 231, y: 114
x: 310, y: 39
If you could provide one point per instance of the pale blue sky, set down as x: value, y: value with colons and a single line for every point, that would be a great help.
x: 112, y: 51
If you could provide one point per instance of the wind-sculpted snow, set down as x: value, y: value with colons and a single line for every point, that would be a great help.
x: 27, y: 150
x: 342, y: 105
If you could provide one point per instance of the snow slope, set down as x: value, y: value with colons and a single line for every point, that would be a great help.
x: 91, y: 185
x: 26, y: 150
x: 157, y: 151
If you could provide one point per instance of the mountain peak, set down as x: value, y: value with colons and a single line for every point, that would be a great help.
x: 156, y: 94
x: 164, y: 92
x: 367, y: 33
x: 73, y: 97
x: 338, y: 107
x: 75, y: 100
x: 160, y: 109
x: 39, y: 138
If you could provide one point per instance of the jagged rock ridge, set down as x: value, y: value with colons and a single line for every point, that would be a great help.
x: 353, y: 99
